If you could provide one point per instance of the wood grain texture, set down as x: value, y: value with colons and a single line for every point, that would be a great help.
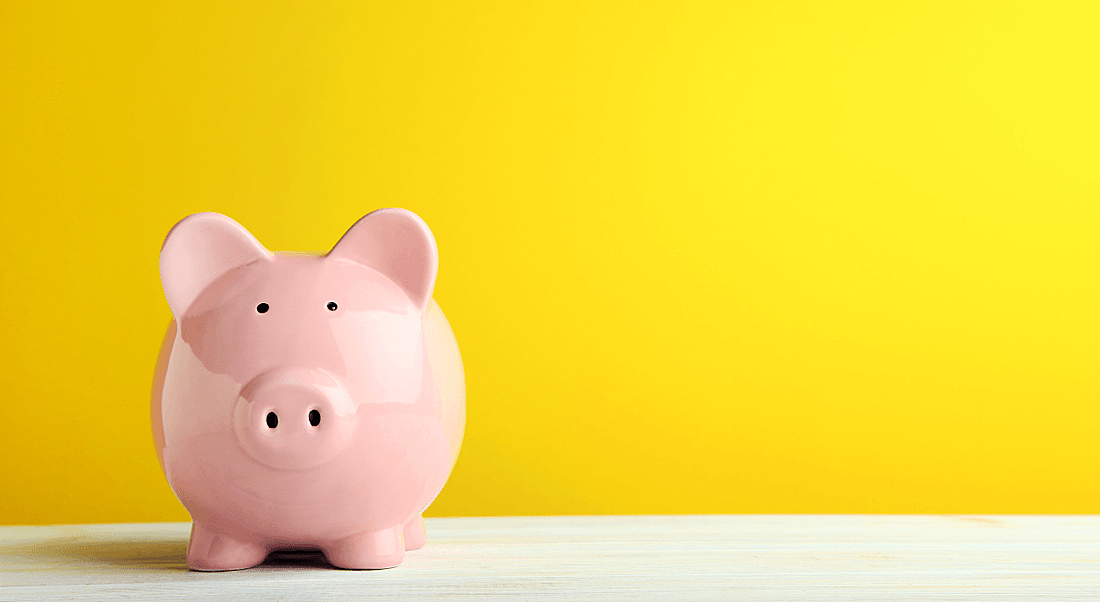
x: 772, y: 557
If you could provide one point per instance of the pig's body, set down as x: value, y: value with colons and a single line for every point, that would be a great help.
x: 328, y: 420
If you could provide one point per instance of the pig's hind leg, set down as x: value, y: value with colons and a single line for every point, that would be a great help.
x: 415, y: 534
x: 213, y: 551
x: 380, y: 550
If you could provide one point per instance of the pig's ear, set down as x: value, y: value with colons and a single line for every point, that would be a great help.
x: 397, y: 243
x: 199, y: 249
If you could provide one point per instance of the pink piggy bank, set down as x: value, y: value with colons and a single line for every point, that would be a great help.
x: 303, y: 401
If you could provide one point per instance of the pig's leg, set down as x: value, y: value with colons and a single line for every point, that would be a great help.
x: 380, y: 550
x: 213, y: 551
x: 415, y: 535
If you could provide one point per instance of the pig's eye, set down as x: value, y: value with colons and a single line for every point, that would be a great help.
x: 262, y: 308
x: 331, y: 306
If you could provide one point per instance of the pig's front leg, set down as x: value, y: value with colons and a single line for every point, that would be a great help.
x: 380, y: 550
x: 211, y: 550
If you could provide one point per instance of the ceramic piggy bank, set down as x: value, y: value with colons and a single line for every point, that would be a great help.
x: 303, y: 401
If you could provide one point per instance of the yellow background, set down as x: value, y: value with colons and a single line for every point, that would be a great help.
x: 699, y: 257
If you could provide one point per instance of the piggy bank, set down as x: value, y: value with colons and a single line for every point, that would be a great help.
x: 305, y: 401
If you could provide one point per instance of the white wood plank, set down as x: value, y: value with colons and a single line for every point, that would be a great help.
x: 598, y: 558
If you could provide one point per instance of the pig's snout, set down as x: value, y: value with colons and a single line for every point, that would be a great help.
x: 293, y: 419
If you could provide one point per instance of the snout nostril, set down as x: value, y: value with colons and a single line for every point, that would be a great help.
x: 272, y: 420
x: 314, y: 417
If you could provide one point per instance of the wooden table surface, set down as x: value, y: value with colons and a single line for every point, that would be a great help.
x: 770, y: 557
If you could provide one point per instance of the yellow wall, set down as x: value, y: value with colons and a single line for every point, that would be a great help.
x: 700, y: 257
